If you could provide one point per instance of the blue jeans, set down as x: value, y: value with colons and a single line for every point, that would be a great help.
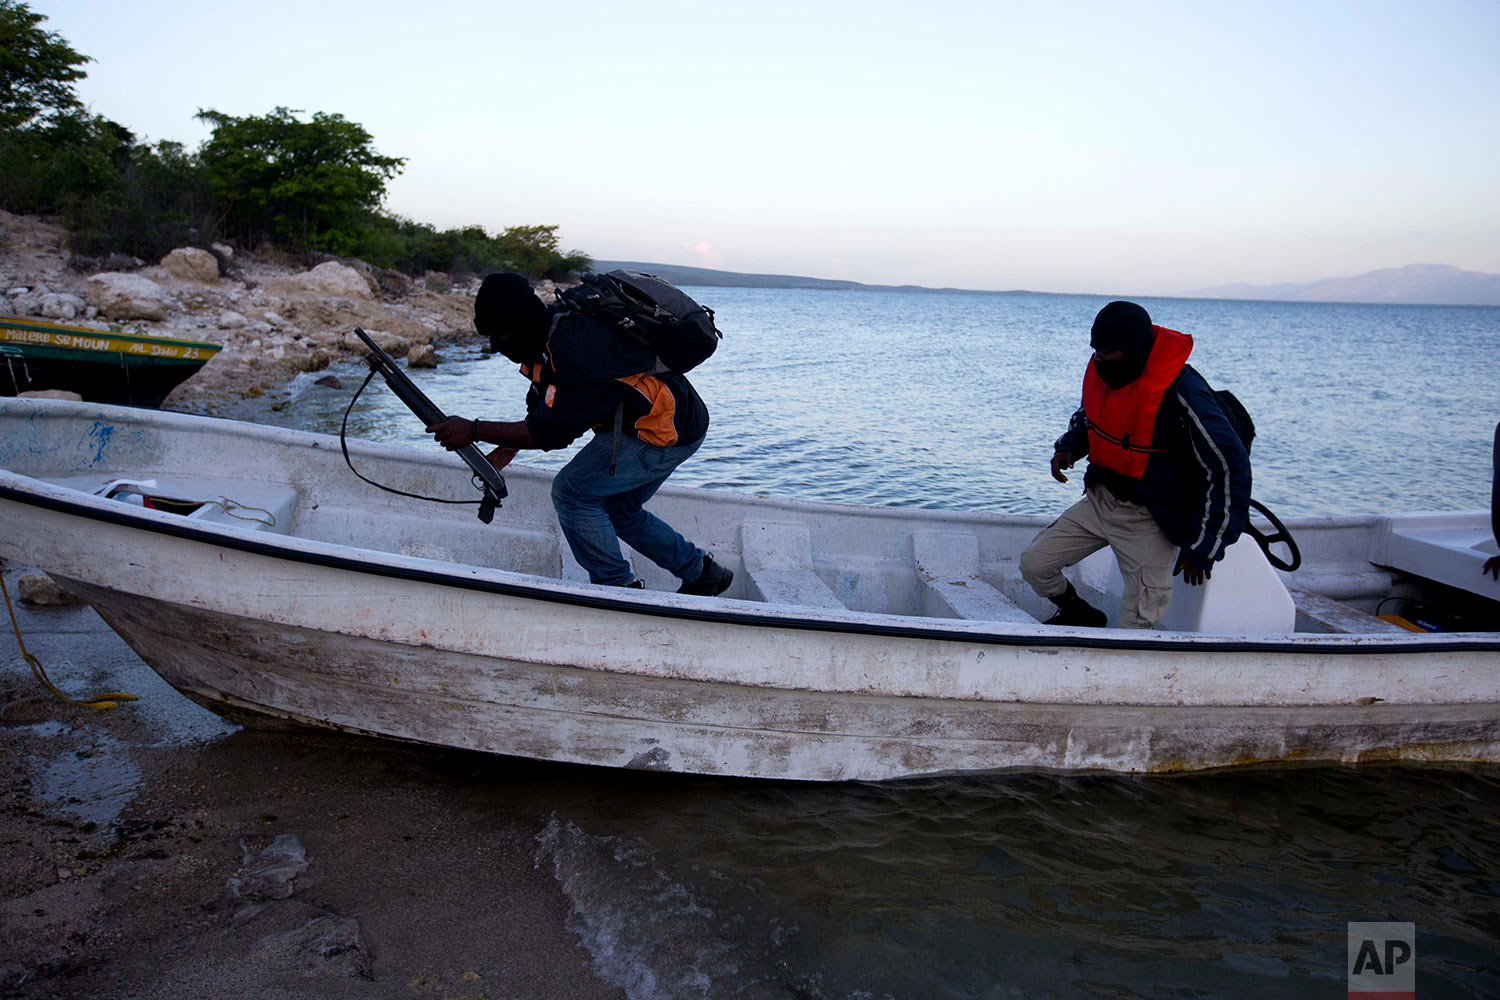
x: 595, y: 509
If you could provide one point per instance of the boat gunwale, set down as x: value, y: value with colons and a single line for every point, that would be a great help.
x: 390, y: 565
x: 27, y: 323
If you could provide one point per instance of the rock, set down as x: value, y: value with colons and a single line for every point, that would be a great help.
x: 91, y: 312
x: 51, y: 394
x: 331, y: 279
x: 25, y: 304
x: 40, y: 589
x: 191, y: 264
x: 325, y: 945
x: 127, y: 296
x: 61, y: 306
x: 422, y: 356
x: 19, y: 290
x: 270, y: 874
x: 224, y: 250
x: 331, y: 381
x: 231, y: 320
x: 311, y: 361
x: 390, y: 343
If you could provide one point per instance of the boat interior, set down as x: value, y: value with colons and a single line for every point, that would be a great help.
x: 1362, y: 574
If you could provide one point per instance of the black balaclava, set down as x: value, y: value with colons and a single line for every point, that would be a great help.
x: 1122, y: 326
x: 508, y: 312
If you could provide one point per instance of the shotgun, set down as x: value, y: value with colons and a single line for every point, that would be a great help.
x: 486, y: 478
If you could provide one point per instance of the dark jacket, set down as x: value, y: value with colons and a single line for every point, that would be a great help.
x: 1198, y: 490
x: 587, y: 370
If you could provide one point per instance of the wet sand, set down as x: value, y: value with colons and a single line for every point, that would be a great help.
x: 120, y: 833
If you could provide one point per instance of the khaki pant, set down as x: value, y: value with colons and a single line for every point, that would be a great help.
x: 1099, y: 519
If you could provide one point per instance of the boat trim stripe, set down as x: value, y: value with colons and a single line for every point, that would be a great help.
x: 263, y: 545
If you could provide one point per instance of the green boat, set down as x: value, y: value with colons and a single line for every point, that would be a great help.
x: 102, y: 366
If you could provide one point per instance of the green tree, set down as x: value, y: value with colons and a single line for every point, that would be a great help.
x: 37, y: 68
x: 309, y: 184
x: 416, y: 247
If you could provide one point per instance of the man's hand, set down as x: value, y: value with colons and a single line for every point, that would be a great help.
x: 1191, y: 574
x: 454, y: 433
x: 1491, y: 566
x: 1061, y: 460
x: 501, y: 457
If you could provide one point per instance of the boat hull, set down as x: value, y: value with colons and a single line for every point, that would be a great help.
x: 558, y: 712
x: 100, y: 366
x: 284, y: 611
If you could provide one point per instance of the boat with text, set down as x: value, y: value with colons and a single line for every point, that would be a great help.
x: 102, y: 366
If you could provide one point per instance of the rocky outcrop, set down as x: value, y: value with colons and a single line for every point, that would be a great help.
x: 127, y: 296
x: 40, y: 301
x: 329, y: 278
x: 422, y: 356
x: 191, y: 264
x: 271, y: 317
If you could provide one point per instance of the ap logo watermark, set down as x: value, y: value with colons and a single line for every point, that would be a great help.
x: 1382, y: 961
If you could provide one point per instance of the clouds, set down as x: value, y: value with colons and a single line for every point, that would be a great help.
x: 707, y: 256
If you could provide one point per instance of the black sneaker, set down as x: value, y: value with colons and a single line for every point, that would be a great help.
x: 1079, y: 612
x: 713, y: 581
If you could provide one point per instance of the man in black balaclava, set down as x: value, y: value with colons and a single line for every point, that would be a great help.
x: 585, y: 375
x: 1168, y: 475
x: 1121, y: 338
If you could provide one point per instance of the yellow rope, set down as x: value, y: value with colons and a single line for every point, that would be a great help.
x: 225, y: 503
x: 101, y: 702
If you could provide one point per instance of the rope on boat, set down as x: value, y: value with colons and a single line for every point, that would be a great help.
x: 101, y: 702
x: 224, y: 503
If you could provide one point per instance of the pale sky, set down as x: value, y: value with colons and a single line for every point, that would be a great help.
x: 1136, y: 148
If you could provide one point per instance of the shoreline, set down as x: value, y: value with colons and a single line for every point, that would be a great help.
x: 124, y: 833
x: 272, y: 318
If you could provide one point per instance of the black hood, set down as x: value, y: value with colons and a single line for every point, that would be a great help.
x: 1122, y: 326
x: 508, y: 312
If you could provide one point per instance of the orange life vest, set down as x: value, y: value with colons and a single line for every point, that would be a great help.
x: 1122, y: 421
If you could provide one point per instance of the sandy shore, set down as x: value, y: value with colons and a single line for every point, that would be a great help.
x: 121, y: 833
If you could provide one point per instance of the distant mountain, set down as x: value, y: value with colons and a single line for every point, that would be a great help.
x: 1415, y: 284
x: 703, y: 276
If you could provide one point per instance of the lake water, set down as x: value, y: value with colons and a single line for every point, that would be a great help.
x: 953, y: 400
x: 1236, y: 884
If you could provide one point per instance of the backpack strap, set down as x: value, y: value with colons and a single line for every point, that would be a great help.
x: 614, y: 448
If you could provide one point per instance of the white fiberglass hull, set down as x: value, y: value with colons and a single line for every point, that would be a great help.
x: 299, y: 621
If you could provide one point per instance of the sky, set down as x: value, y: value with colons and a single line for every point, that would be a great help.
x: 1142, y: 148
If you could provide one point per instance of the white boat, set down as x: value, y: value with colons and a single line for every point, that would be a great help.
x: 856, y: 642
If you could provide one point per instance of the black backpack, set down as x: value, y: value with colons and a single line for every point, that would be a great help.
x: 676, y: 329
x: 1239, y: 419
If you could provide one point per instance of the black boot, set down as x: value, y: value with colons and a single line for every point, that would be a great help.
x: 712, y: 581
x: 1074, y: 610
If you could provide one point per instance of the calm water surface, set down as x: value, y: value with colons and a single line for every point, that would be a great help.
x: 1026, y: 885
x: 953, y: 400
